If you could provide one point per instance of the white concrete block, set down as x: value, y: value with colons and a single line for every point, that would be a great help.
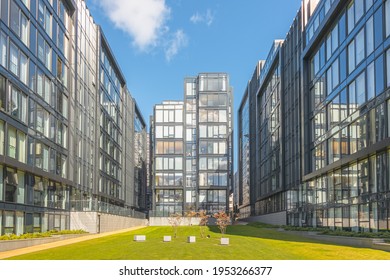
x: 191, y: 239
x: 167, y: 238
x: 139, y: 237
x: 224, y: 241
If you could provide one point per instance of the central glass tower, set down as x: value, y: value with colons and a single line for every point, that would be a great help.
x: 198, y: 173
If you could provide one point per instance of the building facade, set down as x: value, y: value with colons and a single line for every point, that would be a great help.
x: 334, y: 104
x: 192, y: 148
x: 346, y: 133
x: 65, y: 118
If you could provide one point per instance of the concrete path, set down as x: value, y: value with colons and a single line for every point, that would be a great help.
x: 26, y: 250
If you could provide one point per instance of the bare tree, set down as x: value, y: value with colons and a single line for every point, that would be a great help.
x: 190, y: 214
x: 223, y: 220
x: 204, y: 218
x: 175, y: 220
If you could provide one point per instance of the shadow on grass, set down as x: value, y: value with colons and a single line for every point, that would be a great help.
x: 271, y: 233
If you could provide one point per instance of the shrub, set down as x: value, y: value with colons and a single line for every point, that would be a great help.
x: 40, y: 234
x: 223, y: 220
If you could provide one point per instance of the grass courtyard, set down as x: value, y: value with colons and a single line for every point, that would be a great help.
x: 246, y: 243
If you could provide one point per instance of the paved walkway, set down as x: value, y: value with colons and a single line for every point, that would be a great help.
x: 31, y: 249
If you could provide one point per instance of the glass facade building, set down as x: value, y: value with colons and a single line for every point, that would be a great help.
x: 65, y: 118
x: 346, y: 179
x: 334, y: 117
x: 192, y: 148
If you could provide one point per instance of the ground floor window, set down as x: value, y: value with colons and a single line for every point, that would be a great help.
x: 9, y: 222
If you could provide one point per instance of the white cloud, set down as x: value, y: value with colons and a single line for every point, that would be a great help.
x: 207, y: 17
x: 178, y: 41
x: 144, y: 21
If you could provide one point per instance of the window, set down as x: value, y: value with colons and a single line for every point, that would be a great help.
x: 1, y: 141
x: 3, y: 92
x: 379, y: 78
x: 359, y: 42
x: 388, y: 67
x: 352, y: 97
x: 23, y: 68
x: 21, y: 147
x: 45, y: 150
x: 332, y: 76
x: 370, y: 36
x: 47, y: 56
x: 44, y: 17
x: 351, y: 16
x: 19, y: 22
x: 355, y: 11
x: 11, y: 142
x: 387, y: 19
x: 18, y: 105
x: 44, y: 52
x: 41, y: 13
x: 359, y: 9
x: 332, y: 42
x: 14, y: 17
x: 18, y: 63
x: 351, y: 57
x: 370, y: 81
x: 13, y: 60
x: 3, y: 50
x: 48, y: 22
x: 360, y: 89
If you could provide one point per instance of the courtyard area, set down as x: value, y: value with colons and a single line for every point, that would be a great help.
x: 246, y: 243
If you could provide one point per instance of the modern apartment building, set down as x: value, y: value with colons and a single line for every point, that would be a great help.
x: 68, y: 124
x: 192, y: 148
x: 346, y: 133
x: 334, y: 147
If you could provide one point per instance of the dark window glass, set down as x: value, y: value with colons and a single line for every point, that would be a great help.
x: 33, y: 77
x: 342, y: 29
x: 378, y: 25
x: 41, y: 13
x: 2, y: 92
x: 33, y: 39
x: 343, y: 66
x: 379, y: 79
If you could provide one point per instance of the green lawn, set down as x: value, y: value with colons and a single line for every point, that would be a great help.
x: 246, y: 243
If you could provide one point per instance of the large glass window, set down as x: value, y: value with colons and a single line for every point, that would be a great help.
x: 370, y: 36
x: 379, y: 75
x: 359, y: 41
x: 351, y: 57
x: 23, y: 68
x: 21, y: 147
x: 18, y: 105
x: 3, y: 93
x: 19, y: 22
x: 18, y: 63
x: 370, y: 81
x: 14, y: 17
x: 20, y: 188
x: 1, y: 138
x: 361, y: 89
x: 11, y: 142
x: 1, y: 188
x: 9, y: 222
x: 13, y: 59
x: 387, y: 15
x: 351, y: 16
x: 3, y: 50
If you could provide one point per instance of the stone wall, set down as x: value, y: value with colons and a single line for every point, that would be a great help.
x: 163, y: 221
x: 94, y: 222
x: 279, y: 218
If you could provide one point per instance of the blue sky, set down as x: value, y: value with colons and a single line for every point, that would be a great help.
x: 160, y: 42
